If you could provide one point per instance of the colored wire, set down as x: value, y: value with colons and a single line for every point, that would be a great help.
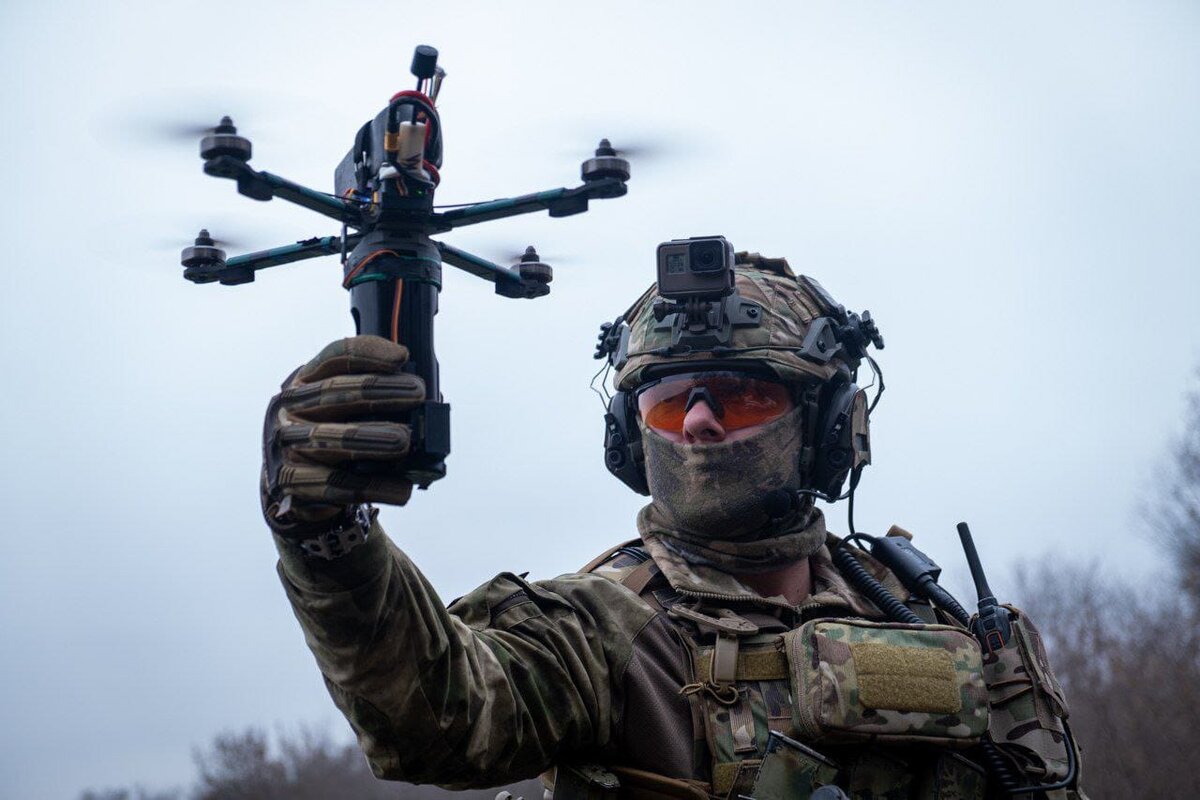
x: 433, y: 173
x: 422, y: 103
x: 414, y: 95
x: 396, y: 311
x: 360, y: 265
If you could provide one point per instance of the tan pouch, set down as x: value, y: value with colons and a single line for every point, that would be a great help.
x: 1028, y: 705
x: 855, y: 680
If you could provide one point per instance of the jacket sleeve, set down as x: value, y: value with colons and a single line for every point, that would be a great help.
x: 512, y: 678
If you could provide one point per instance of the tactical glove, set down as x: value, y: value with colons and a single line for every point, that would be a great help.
x: 326, y: 442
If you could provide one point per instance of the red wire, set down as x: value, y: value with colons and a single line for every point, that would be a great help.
x: 437, y: 179
x: 411, y: 93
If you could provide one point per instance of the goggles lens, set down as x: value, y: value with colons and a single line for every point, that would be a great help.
x: 738, y: 400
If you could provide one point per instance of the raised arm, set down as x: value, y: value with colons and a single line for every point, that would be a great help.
x: 514, y: 677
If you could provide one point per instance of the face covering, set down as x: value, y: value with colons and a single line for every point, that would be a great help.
x: 709, y: 499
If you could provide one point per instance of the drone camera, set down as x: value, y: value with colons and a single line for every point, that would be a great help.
x: 700, y: 268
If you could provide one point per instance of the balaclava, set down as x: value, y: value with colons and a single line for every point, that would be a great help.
x: 709, y: 498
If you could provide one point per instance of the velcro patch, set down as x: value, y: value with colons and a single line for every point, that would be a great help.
x: 901, y: 678
x: 760, y: 665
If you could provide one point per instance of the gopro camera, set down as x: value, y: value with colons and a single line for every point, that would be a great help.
x: 700, y: 267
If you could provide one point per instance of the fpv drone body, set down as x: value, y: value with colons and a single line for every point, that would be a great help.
x: 384, y: 200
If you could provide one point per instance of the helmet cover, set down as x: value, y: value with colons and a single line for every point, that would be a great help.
x: 788, y: 305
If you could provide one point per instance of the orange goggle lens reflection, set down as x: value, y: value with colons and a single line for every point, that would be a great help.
x: 743, y: 400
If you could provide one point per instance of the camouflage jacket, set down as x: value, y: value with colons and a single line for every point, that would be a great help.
x: 607, y: 666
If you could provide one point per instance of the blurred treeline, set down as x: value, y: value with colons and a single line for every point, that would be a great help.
x: 1127, y: 653
x: 302, y: 766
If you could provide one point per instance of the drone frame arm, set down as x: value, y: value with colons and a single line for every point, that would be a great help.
x: 480, y: 267
x: 297, y: 251
x: 265, y: 186
x: 559, y: 202
x: 241, y: 269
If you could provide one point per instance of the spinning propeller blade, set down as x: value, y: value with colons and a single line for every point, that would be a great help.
x: 641, y: 149
x: 235, y: 242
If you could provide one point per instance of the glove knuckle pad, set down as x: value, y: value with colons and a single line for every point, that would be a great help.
x: 347, y: 397
x: 348, y: 442
x: 358, y: 354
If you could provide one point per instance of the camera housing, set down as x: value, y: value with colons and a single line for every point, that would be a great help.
x: 700, y: 267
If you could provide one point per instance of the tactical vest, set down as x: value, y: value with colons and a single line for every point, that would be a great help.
x: 783, y: 707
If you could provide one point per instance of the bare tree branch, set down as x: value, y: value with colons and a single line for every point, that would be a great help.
x: 1129, y: 661
x: 1177, y: 517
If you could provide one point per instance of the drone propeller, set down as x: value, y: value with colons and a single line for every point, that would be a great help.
x: 179, y: 116
x: 507, y: 252
x: 643, y: 149
x: 638, y: 149
x: 514, y: 255
x: 181, y: 131
x: 225, y: 244
x: 236, y: 242
x: 187, y: 128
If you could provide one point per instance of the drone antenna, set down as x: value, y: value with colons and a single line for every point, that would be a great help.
x: 424, y: 63
x: 439, y: 75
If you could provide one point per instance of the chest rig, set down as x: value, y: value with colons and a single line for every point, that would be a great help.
x: 794, y: 704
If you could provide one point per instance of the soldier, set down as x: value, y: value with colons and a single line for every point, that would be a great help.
x: 736, y: 648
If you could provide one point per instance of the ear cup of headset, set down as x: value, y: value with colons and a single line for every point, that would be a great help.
x: 835, y: 452
x: 623, y: 444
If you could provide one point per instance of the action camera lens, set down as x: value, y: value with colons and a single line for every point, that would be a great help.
x: 707, y: 256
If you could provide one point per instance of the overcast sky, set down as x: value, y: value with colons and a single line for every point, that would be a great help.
x: 1011, y: 189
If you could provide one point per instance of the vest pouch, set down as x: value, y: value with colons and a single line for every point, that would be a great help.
x: 1028, y: 705
x: 890, y: 682
x: 791, y: 770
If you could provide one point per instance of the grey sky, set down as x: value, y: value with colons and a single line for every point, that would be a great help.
x: 1010, y: 189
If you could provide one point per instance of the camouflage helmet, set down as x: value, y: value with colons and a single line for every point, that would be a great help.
x: 786, y: 307
x: 794, y: 330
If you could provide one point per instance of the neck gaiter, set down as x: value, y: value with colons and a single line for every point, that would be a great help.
x: 709, y: 499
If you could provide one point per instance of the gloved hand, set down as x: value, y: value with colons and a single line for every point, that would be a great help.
x: 326, y: 422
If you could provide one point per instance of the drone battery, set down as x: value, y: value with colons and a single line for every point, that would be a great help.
x: 412, y: 145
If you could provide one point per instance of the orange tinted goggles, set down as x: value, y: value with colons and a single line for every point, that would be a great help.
x: 738, y: 400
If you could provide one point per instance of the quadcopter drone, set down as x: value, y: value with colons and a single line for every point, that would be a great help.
x: 383, y: 197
